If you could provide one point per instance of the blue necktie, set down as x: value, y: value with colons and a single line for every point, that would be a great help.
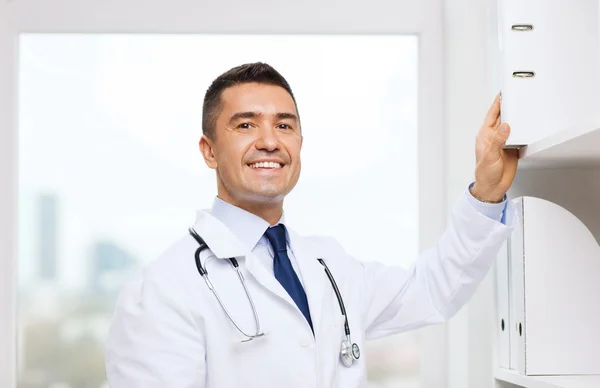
x: 284, y: 272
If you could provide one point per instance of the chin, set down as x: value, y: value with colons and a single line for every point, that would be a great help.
x: 271, y: 194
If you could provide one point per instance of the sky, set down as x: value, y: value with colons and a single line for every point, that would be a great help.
x: 111, y: 123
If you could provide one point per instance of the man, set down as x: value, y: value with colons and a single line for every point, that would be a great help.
x: 284, y: 325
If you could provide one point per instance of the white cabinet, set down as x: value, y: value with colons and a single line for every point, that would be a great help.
x: 572, y: 381
x: 554, y: 262
x: 551, y: 269
x: 550, y: 67
x: 548, y: 276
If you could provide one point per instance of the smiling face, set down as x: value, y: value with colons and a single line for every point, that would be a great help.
x: 256, y: 145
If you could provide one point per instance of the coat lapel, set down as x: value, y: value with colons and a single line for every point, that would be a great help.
x: 224, y: 244
x: 313, y: 277
x: 219, y: 238
x: 267, y: 279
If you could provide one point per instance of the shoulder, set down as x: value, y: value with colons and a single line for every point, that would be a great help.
x: 168, y: 271
x: 176, y: 258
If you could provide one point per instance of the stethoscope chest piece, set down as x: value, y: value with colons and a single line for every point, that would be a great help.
x: 349, y: 353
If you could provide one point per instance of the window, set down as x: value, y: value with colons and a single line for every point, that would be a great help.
x: 110, y: 173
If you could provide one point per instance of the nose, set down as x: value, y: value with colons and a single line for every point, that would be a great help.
x: 267, y: 139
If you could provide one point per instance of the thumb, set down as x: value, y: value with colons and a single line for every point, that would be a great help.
x: 500, y: 138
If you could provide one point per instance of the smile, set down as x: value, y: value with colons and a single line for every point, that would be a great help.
x: 265, y: 165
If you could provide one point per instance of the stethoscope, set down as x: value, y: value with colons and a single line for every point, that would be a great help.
x: 349, y: 351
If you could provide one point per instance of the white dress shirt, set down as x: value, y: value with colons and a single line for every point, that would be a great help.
x: 250, y: 229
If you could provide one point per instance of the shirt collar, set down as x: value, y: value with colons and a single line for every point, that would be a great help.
x: 247, y: 227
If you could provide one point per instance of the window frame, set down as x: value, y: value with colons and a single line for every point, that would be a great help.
x: 423, y: 18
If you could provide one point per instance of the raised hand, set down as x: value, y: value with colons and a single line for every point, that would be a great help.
x: 496, y: 167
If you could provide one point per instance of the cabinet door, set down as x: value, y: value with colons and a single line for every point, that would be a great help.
x: 550, y: 68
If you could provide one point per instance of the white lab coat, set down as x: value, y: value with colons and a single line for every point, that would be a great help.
x: 170, y: 331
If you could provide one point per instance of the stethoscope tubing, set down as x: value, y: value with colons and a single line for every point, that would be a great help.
x: 204, y: 274
x: 339, y: 297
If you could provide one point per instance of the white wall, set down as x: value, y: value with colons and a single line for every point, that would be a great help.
x: 7, y: 196
x: 469, y: 91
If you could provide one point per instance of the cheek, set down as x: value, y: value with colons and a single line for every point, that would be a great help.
x: 231, y: 166
x: 296, y: 162
x: 231, y: 153
x: 294, y: 149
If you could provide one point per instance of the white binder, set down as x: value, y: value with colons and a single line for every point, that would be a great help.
x: 517, y: 291
x: 503, y: 311
x: 554, y: 265
x: 550, y: 66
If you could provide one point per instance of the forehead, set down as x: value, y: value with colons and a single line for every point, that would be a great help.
x: 256, y: 97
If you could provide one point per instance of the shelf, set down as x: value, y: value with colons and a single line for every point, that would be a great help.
x: 575, y: 147
x: 548, y: 381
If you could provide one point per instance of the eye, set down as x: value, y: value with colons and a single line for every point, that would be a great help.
x: 244, y: 126
x: 284, y: 126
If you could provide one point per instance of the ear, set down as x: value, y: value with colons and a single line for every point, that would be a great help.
x: 207, y: 150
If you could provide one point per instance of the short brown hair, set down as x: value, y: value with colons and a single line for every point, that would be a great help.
x: 248, y: 73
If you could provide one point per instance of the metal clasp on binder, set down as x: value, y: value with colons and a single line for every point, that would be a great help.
x: 523, y: 74
x: 522, y: 27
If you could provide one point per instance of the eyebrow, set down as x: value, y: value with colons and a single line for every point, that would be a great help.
x: 251, y: 115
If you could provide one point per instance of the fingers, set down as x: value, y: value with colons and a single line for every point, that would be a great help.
x: 493, y: 114
x: 498, y: 141
x: 497, y: 122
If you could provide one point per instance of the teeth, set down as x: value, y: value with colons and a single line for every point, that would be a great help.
x: 265, y: 165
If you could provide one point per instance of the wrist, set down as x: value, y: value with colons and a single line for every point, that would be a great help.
x: 485, y: 196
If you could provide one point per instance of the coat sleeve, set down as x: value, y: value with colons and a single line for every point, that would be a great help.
x: 441, y: 281
x: 153, y: 340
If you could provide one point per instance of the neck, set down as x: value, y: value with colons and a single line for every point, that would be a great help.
x: 268, y: 211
